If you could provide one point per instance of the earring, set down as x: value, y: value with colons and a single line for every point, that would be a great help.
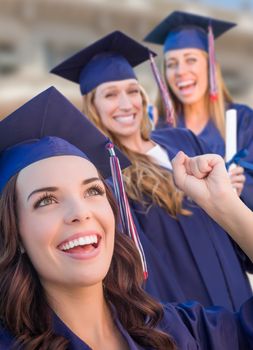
x: 21, y: 249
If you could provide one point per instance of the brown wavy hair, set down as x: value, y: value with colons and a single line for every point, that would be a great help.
x: 216, y: 109
x: 24, y: 309
x: 145, y: 181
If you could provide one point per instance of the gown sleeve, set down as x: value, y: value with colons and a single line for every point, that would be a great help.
x: 245, y: 140
x: 194, y: 327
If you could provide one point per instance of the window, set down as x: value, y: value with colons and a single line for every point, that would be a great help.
x: 8, y: 58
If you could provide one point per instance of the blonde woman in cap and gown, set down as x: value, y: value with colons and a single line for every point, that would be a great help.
x: 198, y: 91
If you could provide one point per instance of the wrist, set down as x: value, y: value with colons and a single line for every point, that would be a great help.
x: 224, y: 205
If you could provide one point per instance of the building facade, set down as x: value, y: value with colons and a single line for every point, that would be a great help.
x: 35, y: 35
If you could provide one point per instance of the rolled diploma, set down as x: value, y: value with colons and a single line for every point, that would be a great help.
x: 231, y: 134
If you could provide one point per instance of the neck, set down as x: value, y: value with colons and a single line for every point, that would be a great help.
x: 86, y: 313
x: 137, y: 144
x: 196, y: 115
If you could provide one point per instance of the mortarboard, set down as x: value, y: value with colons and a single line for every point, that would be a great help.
x: 182, y: 30
x: 110, y: 58
x: 68, y: 131
x: 185, y: 30
x: 49, y: 125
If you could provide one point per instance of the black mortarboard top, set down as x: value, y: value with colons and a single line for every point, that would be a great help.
x: 49, y: 125
x: 111, y: 58
x: 186, y: 30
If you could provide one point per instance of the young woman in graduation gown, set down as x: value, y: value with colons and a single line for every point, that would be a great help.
x: 188, y: 255
x: 197, y: 89
x: 68, y: 280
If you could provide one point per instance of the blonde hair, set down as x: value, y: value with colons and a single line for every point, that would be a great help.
x: 216, y: 109
x: 144, y: 180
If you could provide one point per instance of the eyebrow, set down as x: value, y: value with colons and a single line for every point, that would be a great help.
x: 188, y: 53
x: 54, y: 189
x: 112, y: 87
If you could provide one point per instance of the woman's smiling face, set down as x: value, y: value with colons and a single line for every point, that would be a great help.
x: 66, y: 223
x: 187, y: 74
x: 119, y: 106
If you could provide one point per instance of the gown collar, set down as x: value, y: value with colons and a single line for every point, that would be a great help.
x: 75, y: 343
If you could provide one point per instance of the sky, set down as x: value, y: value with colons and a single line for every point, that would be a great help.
x: 230, y: 3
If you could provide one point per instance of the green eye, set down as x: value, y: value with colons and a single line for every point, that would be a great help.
x: 94, y: 191
x: 45, y: 200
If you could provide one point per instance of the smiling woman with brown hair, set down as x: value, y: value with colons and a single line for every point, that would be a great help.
x: 62, y: 267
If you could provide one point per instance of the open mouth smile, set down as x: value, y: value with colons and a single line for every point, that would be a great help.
x: 186, y: 87
x: 125, y: 119
x: 186, y: 84
x: 81, y: 246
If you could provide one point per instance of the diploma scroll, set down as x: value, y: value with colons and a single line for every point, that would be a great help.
x: 231, y: 134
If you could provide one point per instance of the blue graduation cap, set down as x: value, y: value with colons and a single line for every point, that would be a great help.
x: 46, y: 126
x: 182, y: 30
x: 111, y: 58
x: 186, y: 30
x: 49, y: 125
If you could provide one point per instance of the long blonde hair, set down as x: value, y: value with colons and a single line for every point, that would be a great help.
x: 145, y: 181
x: 216, y: 109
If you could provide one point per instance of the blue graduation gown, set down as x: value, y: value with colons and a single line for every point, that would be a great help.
x: 190, y: 258
x: 191, y: 326
x: 215, y: 142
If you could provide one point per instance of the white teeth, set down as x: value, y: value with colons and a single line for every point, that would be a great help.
x: 81, y: 241
x: 66, y: 246
x: 125, y: 119
x: 185, y: 83
x: 85, y: 240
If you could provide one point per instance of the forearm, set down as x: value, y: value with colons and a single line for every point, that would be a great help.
x: 237, y: 220
x: 247, y: 192
x: 206, y: 181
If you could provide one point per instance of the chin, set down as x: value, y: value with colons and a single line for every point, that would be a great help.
x: 86, y: 281
x: 188, y: 100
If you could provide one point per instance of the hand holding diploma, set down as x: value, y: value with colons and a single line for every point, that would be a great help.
x: 231, y: 134
x: 237, y: 178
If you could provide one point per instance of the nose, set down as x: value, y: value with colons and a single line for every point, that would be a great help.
x: 181, y: 68
x: 77, y: 211
x: 124, y: 101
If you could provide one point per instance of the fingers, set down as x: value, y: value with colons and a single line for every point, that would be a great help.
x: 178, y: 159
x: 237, y: 179
x: 238, y: 186
x: 202, y: 165
x: 237, y: 170
x: 202, y: 174
x: 199, y: 166
x: 237, y: 176
x: 179, y: 170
